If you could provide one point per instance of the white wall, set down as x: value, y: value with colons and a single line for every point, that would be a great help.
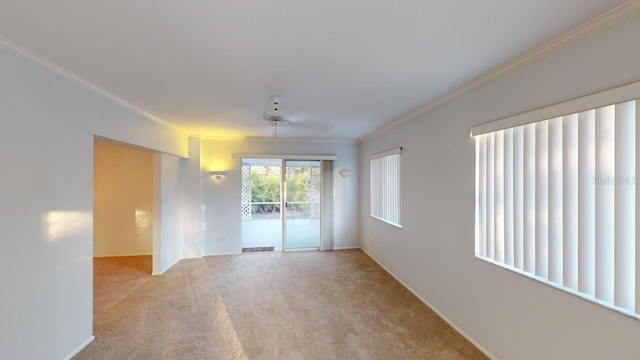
x: 222, y: 198
x: 46, y: 191
x: 511, y: 316
x: 178, y: 200
x: 191, y: 216
x: 166, y: 249
x: 122, y: 200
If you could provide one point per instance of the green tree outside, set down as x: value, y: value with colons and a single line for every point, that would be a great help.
x: 265, y: 187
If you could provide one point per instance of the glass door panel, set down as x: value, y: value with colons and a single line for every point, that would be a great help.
x: 260, y: 205
x: 302, y: 201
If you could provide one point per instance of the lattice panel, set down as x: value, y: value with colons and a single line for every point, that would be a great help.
x: 246, y: 193
x: 314, y: 191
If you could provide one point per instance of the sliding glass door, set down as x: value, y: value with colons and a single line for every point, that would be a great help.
x: 280, y: 210
x: 261, y: 205
x: 302, y: 203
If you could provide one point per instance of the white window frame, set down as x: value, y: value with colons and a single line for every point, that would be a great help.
x: 602, y: 266
x: 385, y: 186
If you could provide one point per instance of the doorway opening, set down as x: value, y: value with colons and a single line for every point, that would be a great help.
x: 280, y: 209
x: 123, y: 218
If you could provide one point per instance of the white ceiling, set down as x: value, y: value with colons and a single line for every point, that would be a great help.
x: 343, y: 68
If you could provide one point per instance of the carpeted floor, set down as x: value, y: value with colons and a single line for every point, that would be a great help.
x: 297, y: 305
x: 115, y: 278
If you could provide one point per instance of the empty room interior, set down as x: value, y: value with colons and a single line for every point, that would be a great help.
x: 320, y: 180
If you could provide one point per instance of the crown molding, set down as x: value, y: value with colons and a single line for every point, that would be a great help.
x: 621, y: 12
x: 50, y: 66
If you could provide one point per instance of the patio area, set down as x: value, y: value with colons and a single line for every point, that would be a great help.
x: 267, y: 232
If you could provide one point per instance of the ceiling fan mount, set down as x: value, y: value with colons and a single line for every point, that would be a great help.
x: 275, y: 117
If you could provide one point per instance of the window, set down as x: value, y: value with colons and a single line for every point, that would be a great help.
x: 556, y: 200
x: 385, y: 186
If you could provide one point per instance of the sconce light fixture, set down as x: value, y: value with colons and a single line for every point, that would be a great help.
x: 218, y: 174
x: 344, y: 173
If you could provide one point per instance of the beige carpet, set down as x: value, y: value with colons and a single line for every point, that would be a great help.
x: 115, y: 278
x: 297, y: 305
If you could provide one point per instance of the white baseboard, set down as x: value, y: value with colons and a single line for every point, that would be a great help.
x: 79, y: 348
x: 223, y: 254
x: 290, y: 250
x: 346, y: 248
x: 168, y: 267
x: 466, y: 336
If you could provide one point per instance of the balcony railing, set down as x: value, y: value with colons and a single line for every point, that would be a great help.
x: 271, y: 210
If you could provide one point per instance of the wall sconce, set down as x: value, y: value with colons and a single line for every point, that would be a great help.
x: 218, y: 174
x: 344, y: 173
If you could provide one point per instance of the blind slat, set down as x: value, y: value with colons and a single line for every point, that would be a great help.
x: 481, y: 171
x: 499, y: 195
x: 637, y: 210
x: 477, y: 227
x: 625, y: 168
x: 483, y: 174
x: 586, y: 203
x: 605, y: 202
x: 555, y: 248
x: 570, y: 201
x: 518, y: 197
x: 508, y: 198
x: 491, y: 238
x: 529, y: 194
x: 542, y: 199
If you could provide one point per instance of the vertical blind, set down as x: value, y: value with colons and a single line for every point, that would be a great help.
x: 326, y: 218
x: 385, y: 186
x: 556, y: 200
